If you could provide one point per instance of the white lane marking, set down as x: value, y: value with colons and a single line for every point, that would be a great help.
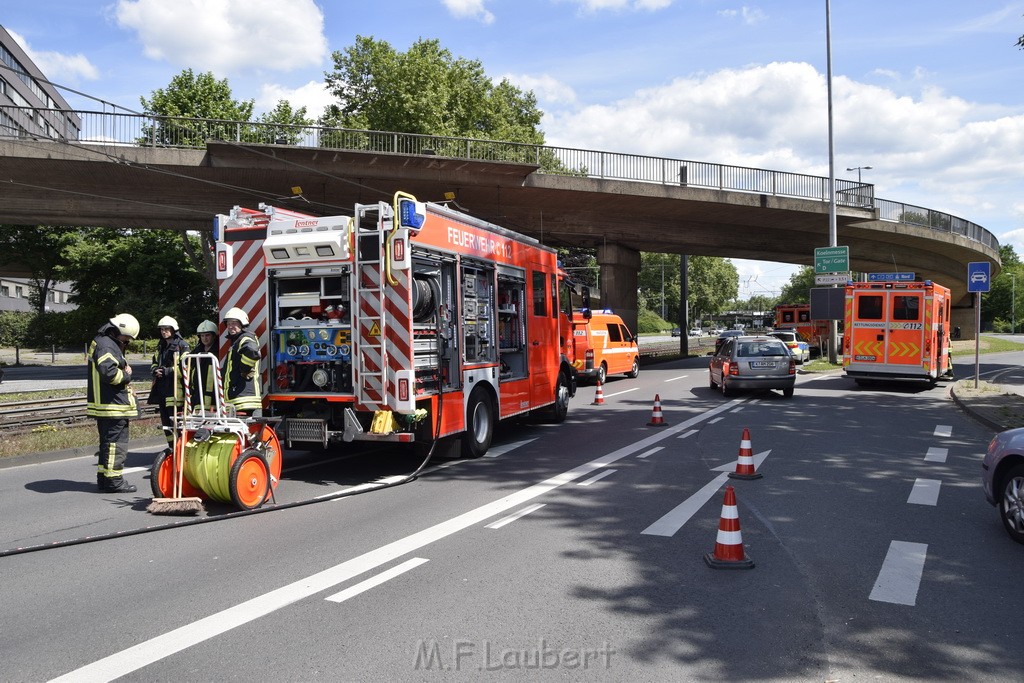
x: 596, y: 477
x: 689, y: 433
x: 671, y: 522
x: 132, y: 470
x: 944, y: 430
x: 737, y: 409
x: 925, y: 492
x: 731, y: 467
x: 673, y: 379
x: 900, y: 575
x: 507, y: 447
x: 651, y: 452
x: 620, y: 393
x: 717, y: 419
x: 936, y: 454
x: 515, y: 515
x: 157, y: 648
x: 385, y: 575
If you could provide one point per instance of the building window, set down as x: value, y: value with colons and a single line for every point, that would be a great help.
x: 5, y: 290
x: 19, y: 292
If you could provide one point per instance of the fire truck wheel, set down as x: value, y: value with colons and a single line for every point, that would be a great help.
x: 479, y: 425
x: 635, y: 371
x: 557, y: 411
x: 602, y: 373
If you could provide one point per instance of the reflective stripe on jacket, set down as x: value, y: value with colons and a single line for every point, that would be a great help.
x: 241, y: 372
x: 162, y: 392
x: 108, y: 390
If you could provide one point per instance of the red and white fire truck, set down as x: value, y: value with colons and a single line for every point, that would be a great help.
x: 407, y: 322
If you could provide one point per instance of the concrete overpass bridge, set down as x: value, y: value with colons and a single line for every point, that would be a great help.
x: 153, y: 172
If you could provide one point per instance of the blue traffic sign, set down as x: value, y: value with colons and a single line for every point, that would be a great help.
x: 891, y: 277
x: 979, y: 276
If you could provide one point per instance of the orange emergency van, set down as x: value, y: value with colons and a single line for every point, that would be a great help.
x: 897, y: 331
x: 603, y: 346
x: 797, y: 317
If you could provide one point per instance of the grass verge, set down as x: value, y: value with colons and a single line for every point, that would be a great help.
x: 47, y: 438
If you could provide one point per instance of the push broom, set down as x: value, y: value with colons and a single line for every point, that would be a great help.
x: 177, y: 504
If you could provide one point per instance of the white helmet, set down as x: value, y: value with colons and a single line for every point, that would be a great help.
x: 126, y: 324
x: 237, y: 314
x: 207, y: 326
x: 168, y: 321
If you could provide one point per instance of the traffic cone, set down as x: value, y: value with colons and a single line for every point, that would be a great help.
x: 656, y: 419
x: 729, y: 553
x: 745, y: 461
x: 598, y: 395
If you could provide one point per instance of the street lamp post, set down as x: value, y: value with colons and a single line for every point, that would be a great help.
x: 1013, y: 303
x: 858, y: 169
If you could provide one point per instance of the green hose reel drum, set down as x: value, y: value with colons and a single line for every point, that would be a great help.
x: 228, y: 469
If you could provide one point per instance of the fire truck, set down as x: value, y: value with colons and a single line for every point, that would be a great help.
x: 407, y: 322
x: 797, y: 317
x: 897, y: 331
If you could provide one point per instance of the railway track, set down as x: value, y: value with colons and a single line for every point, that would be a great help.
x: 21, y: 417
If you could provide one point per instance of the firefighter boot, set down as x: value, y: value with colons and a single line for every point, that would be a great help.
x: 116, y: 485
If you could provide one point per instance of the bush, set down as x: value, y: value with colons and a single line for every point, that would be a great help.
x: 649, y: 322
x: 14, y: 328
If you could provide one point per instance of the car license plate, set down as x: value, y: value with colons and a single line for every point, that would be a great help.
x: 762, y: 364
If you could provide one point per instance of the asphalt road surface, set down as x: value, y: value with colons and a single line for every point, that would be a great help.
x: 575, y: 552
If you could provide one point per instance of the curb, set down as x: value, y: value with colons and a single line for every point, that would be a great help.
x: 974, y: 414
x: 70, y: 453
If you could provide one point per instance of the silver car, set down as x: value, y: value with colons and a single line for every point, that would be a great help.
x: 1002, y: 478
x: 752, y: 363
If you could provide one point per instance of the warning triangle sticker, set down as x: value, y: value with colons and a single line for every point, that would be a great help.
x: 374, y: 330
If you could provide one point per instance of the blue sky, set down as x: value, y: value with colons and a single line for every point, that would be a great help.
x: 926, y: 93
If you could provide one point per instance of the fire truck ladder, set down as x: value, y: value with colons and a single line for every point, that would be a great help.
x: 371, y: 359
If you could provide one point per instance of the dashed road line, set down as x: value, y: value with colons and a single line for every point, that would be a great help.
x: 505, y: 448
x: 925, y: 492
x: 673, y: 379
x: 620, y: 393
x: 515, y: 515
x: 385, y: 575
x: 900, y: 576
x: 651, y: 451
x: 944, y: 430
x: 689, y: 433
x: 596, y: 477
x: 717, y: 419
x: 936, y: 454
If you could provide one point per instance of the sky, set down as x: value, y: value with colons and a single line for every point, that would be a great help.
x: 928, y: 94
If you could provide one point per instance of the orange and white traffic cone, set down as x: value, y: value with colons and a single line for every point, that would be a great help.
x: 729, y: 553
x: 598, y: 395
x: 656, y: 419
x: 745, y: 461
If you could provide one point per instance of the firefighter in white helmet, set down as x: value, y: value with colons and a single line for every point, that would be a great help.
x: 162, y: 394
x: 241, y: 371
x: 202, y: 385
x: 111, y: 400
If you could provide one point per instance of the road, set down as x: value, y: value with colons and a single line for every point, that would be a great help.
x: 575, y: 552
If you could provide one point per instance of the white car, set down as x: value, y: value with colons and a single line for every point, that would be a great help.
x: 696, y: 333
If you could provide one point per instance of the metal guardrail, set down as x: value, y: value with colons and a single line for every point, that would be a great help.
x: 143, y: 130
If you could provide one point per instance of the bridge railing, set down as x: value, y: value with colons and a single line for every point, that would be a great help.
x: 113, y: 128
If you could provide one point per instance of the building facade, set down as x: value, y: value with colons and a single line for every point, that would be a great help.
x: 15, y: 295
x: 29, y: 106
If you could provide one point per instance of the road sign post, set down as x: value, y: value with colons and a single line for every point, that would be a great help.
x: 979, y: 280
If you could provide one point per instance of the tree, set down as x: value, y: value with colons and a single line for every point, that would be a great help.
x: 714, y: 282
x: 426, y: 91
x: 658, y: 281
x: 282, y: 125
x: 41, y: 250
x: 798, y: 289
x: 192, y: 96
x: 1006, y: 292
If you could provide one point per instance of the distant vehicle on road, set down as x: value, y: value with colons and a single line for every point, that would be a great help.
x: 753, y: 363
x: 1002, y: 479
x: 797, y: 344
x: 696, y: 332
x: 675, y: 332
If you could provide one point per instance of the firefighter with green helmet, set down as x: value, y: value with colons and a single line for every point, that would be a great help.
x: 111, y: 400
x: 241, y: 371
x: 169, y: 349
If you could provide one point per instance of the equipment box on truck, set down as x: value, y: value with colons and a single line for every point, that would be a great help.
x: 897, y: 331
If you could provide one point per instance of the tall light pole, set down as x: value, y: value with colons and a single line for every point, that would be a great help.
x: 832, y: 230
x: 858, y: 169
x: 1013, y: 303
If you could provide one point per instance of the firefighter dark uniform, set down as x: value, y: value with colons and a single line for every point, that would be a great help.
x: 111, y: 399
x: 162, y: 393
x: 202, y: 383
x: 241, y: 371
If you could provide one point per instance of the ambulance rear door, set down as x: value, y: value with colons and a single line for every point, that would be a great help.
x: 887, y: 331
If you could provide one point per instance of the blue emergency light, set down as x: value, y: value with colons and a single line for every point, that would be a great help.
x: 411, y: 214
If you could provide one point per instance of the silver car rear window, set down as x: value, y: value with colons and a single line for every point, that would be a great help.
x: 748, y: 349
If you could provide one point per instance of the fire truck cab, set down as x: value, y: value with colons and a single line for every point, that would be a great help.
x: 897, y: 332
x: 407, y: 322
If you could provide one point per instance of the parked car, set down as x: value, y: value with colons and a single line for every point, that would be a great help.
x: 752, y: 362
x: 696, y: 332
x: 797, y: 344
x: 1002, y: 479
x: 675, y: 332
x: 725, y: 334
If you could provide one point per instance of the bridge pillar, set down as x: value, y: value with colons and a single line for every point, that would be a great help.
x: 620, y: 267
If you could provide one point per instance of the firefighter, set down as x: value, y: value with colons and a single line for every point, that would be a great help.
x: 111, y: 400
x: 202, y: 384
x: 162, y: 394
x: 241, y: 371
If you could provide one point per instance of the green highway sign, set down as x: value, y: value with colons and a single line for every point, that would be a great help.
x: 831, y: 259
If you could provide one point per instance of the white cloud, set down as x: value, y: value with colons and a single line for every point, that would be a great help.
x: 599, y: 5
x: 227, y: 36
x: 469, y: 9
x: 547, y: 88
x: 749, y: 15
x: 313, y: 96
x: 56, y: 65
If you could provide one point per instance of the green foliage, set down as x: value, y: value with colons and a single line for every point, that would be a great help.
x: 659, y: 274
x: 798, y: 289
x: 648, y: 322
x: 14, y: 327
x: 1004, y: 302
x: 192, y: 96
x: 714, y: 282
x: 286, y: 125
